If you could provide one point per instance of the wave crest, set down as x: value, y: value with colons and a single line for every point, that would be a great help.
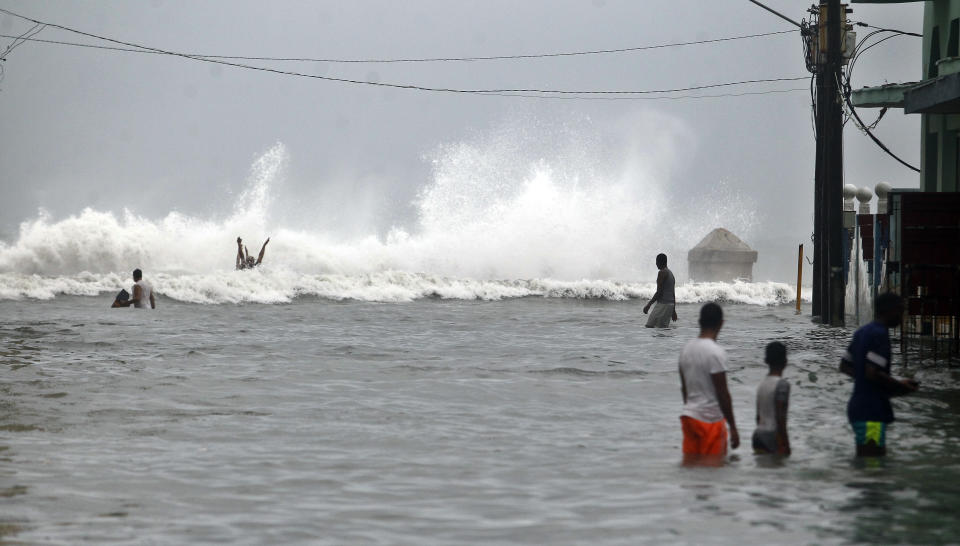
x: 282, y: 286
x: 509, y: 216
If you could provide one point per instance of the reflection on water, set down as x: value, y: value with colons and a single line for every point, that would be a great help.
x: 770, y: 461
x: 911, y: 496
x: 694, y: 460
x: 900, y: 509
x: 8, y: 530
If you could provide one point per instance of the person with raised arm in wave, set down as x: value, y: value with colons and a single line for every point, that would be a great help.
x: 244, y: 259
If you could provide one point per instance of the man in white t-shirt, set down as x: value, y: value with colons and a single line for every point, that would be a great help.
x: 707, y: 407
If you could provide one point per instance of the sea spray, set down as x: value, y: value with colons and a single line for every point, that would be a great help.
x: 495, y: 221
x: 101, y: 242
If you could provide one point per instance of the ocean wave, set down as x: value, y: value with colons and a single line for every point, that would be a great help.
x: 487, y: 213
x: 267, y: 285
x: 490, y: 225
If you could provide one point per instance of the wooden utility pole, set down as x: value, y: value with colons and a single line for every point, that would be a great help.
x: 829, y: 284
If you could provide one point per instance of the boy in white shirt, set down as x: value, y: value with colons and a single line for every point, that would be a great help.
x: 773, y: 397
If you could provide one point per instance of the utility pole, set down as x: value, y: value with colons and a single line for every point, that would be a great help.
x: 829, y: 283
x: 825, y: 56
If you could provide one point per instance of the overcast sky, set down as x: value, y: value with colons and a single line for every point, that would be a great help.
x: 83, y: 127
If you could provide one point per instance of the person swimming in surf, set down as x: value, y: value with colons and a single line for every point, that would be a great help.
x: 244, y: 259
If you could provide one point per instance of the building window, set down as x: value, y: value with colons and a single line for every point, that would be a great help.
x: 932, y: 71
x: 953, y: 41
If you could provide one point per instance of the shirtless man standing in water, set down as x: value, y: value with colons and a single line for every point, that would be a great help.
x: 244, y: 259
x: 664, y: 298
x: 142, y: 293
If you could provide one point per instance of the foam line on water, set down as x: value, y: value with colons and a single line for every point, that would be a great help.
x: 280, y: 286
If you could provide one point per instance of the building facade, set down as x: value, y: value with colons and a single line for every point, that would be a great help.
x: 919, y: 231
x: 936, y: 97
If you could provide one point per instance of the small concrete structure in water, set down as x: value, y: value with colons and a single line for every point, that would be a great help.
x: 721, y: 256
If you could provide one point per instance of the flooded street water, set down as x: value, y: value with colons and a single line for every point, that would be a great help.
x: 530, y: 420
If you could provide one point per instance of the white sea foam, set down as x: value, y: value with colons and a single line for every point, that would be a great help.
x: 270, y: 285
x: 490, y: 225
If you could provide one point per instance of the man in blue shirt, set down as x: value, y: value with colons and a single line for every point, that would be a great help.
x: 867, y: 361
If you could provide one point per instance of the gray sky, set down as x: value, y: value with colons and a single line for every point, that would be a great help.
x: 105, y: 129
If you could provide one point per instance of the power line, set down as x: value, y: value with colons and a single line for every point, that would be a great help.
x: 19, y: 40
x: 876, y: 140
x: 878, y: 42
x: 890, y: 30
x: 867, y: 130
x: 425, y: 59
x: 673, y: 97
x: 777, y: 13
x: 846, y: 88
x: 395, y: 85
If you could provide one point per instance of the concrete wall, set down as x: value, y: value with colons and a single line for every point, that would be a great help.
x: 720, y: 271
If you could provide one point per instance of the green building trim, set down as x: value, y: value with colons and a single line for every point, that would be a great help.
x: 936, y: 97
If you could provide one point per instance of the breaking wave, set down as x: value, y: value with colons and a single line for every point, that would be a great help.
x: 279, y: 286
x: 491, y: 224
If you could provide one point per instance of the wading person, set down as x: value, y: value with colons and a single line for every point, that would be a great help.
x: 244, y: 259
x: 773, y: 397
x: 867, y: 361
x: 666, y: 300
x: 707, y: 407
x: 142, y: 293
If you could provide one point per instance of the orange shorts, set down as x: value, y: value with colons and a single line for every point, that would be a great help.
x: 700, y: 438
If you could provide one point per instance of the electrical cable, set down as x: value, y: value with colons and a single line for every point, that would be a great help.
x: 846, y: 88
x: 860, y: 49
x: 878, y: 42
x: 19, y: 40
x: 37, y: 28
x: 877, y: 140
x: 860, y: 44
x: 905, y: 33
x: 420, y: 60
x: 777, y: 13
x: 813, y: 106
x: 863, y: 127
x: 397, y: 85
x: 674, y: 97
x: 883, y: 112
x: 843, y: 105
